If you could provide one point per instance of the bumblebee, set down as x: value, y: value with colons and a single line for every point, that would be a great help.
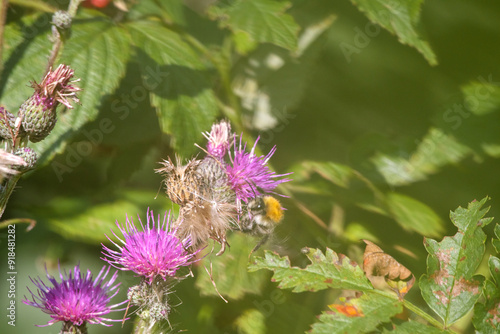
x: 262, y: 215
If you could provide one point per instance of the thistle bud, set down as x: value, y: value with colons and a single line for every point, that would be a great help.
x: 7, y: 123
x: 29, y: 157
x: 38, y: 113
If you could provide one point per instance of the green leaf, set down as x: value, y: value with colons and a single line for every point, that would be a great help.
x: 449, y: 286
x: 171, y: 11
x: 482, y: 97
x: 357, y: 315
x: 228, y: 266
x: 261, y: 21
x: 252, y: 321
x: 327, y: 270
x: 414, y: 327
x: 401, y: 18
x: 180, y: 91
x: 436, y: 150
x: 414, y: 215
x: 85, y: 220
x: 486, y: 317
x: 338, y: 174
x: 24, y: 59
x: 496, y: 242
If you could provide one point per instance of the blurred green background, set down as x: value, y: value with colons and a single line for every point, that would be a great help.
x: 382, y: 143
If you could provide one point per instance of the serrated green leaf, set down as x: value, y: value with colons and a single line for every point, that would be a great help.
x: 486, y: 317
x: 327, y: 270
x: 449, y: 286
x: 263, y: 21
x: 415, y: 327
x: 185, y: 103
x: 228, y: 266
x: 414, y: 215
x: 363, y: 315
x: 399, y: 17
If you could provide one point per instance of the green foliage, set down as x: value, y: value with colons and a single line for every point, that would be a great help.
x: 327, y: 270
x: 382, y: 143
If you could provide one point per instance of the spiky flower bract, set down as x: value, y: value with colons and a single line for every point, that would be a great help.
x: 249, y: 175
x: 76, y: 299
x: 155, y: 251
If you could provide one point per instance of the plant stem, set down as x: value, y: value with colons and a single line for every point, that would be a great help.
x: 29, y: 221
x: 7, y: 190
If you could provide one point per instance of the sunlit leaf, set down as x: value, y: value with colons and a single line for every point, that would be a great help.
x: 357, y: 315
x: 336, y: 173
x: 329, y: 270
x: 450, y: 287
x: 401, y: 18
x: 434, y: 151
x: 252, y: 321
x: 414, y: 215
x: 496, y: 242
x: 260, y: 20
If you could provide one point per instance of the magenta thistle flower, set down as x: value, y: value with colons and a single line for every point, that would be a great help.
x: 250, y: 174
x: 77, y: 299
x: 154, y: 251
x: 219, y: 139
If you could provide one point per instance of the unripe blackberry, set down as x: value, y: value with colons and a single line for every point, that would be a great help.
x: 29, y: 156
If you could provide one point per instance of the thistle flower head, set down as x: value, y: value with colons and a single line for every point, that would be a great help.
x: 38, y: 113
x: 249, y: 174
x: 57, y: 87
x: 219, y: 139
x: 154, y: 251
x: 76, y: 299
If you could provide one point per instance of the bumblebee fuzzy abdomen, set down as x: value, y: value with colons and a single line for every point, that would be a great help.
x: 274, y: 211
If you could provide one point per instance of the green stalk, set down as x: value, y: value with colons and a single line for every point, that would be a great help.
x: 6, y: 191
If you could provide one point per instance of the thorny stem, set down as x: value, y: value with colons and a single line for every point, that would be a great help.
x: 3, y: 17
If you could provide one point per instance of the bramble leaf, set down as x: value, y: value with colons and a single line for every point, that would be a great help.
x: 449, y: 286
x: 263, y: 21
x: 486, y: 317
x: 357, y: 315
x: 399, y: 17
x: 180, y: 92
x: 496, y: 242
x: 329, y: 270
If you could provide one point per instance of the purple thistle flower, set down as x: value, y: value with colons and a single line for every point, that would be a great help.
x: 57, y: 87
x: 219, y: 139
x: 154, y: 251
x: 76, y: 300
x: 249, y: 174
